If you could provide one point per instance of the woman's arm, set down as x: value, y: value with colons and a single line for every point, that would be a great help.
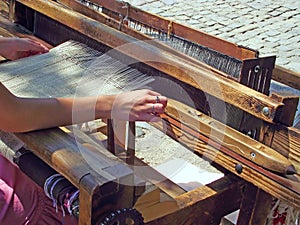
x: 26, y: 114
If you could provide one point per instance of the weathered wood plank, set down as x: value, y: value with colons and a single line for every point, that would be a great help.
x: 205, y: 205
x: 286, y: 141
x: 104, y: 181
x: 68, y: 157
x: 286, y: 76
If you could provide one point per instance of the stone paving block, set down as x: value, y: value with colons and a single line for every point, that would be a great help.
x: 294, y: 65
x: 192, y: 22
x: 246, y: 27
x: 282, y: 60
x: 169, y: 2
x: 285, y: 48
x: 182, y: 18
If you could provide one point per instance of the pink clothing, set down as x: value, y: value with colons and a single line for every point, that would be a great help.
x: 23, y: 202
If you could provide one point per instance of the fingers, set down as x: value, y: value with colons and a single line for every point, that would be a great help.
x: 156, y: 104
x: 153, y: 93
x: 37, y: 48
x: 152, y: 111
x: 155, y: 108
x: 155, y: 97
x: 24, y: 47
x: 139, y: 105
x: 32, y: 46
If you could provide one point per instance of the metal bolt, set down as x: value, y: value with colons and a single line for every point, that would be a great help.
x: 249, y: 133
x: 253, y: 155
x: 266, y: 111
x: 239, y: 168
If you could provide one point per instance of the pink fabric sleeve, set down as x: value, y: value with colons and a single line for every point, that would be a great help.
x: 22, y: 202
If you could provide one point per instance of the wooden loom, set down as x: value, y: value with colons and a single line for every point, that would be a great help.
x: 248, y: 179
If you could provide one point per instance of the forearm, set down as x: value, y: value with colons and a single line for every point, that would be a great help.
x: 33, y: 114
x: 27, y: 114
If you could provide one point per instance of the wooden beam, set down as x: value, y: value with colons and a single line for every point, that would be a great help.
x: 67, y: 156
x: 287, y: 77
x: 205, y: 205
x: 185, y: 32
x: 104, y: 181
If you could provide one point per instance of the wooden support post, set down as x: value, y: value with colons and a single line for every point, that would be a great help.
x: 111, y: 137
x: 287, y: 114
x: 11, y: 14
x: 255, y: 206
x: 130, y: 143
x: 205, y: 205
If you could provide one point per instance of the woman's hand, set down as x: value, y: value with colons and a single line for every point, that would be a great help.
x: 16, y: 48
x: 139, y: 105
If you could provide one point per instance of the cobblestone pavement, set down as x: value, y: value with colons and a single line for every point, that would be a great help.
x: 271, y: 27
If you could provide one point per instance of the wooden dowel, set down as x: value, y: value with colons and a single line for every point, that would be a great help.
x: 194, y: 122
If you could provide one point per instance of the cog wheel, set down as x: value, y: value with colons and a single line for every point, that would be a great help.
x: 126, y: 216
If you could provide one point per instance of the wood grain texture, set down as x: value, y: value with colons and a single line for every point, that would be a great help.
x: 286, y: 140
x: 67, y: 156
x: 286, y: 76
x: 104, y: 181
x: 205, y: 205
